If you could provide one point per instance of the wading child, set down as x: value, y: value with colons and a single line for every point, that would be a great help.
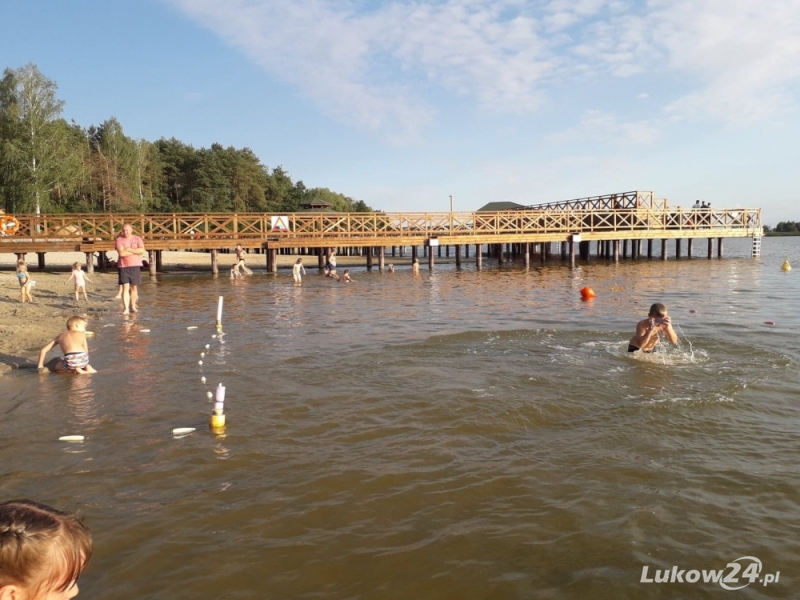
x: 346, y: 277
x: 73, y: 345
x: 80, y: 280
x: 241, y: 253
x: 647, y: 330
x: 43, y: 551
x: 235, y: 274
x: 298, y: 266
x: 25, y: 282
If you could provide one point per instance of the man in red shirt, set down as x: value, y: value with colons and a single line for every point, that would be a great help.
x: 131, y: 250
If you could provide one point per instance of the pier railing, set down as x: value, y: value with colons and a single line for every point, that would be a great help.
x: 214, y: 230
x: 620, y: 201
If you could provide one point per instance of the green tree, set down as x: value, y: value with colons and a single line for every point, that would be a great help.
x: 35, y: 151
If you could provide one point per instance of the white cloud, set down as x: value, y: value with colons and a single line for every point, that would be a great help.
x: 378, y: 67
x: 600, y: 127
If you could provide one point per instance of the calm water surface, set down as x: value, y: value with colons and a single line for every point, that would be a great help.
x: 460, y: 434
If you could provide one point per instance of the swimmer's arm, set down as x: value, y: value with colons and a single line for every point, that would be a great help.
x: 670, y: 333
x: 43, y: 353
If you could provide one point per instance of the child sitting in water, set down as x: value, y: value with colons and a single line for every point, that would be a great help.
x: 235, y: 274
x: 80, y: 280
x: 43, y: 551
x: 73, y: 344
x: 346, y: 277
x: 25, y: 282
x: 647, y: 330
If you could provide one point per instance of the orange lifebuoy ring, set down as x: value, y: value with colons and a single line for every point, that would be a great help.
x: 8, y: 225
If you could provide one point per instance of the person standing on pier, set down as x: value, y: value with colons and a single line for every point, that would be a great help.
x: 131, y: 250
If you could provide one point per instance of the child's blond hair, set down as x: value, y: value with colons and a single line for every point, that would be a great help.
x: 76, y: 265
x: 74, y: 320
x: 41, y: 549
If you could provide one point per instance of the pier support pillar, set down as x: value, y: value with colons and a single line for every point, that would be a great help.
x: 215, y: 263
x: 649, y: 248
x: 572, y: 255
x: 527, y: 254
x: 381, y: 257
x: 478, y: 256
x: 710, y: 247
x: 664, y: 249
x: 624, y: 248
x: 320, y: 258
x: 689, y: 244
x: 368, y: 250
x: 499, y: 250
x: 159, y: 260
x: 457, y: 250
x: 719, y: 247
x: 678, y: 248
x: 413, y: 253
x: 466, y: 250
x: 152, y: 259
x: 40, y: 256
x: 430, y: 257
x: 89, y: 262
x: 273, y: 259
x: 393, y: 251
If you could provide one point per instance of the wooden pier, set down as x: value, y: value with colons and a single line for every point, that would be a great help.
x: 611, y: 221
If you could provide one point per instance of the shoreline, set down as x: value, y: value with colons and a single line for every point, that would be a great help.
x: 26, y: 327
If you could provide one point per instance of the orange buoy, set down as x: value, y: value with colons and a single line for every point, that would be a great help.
x: 587, y: 293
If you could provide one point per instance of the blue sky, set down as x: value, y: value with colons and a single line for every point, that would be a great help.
x: 402, y: 104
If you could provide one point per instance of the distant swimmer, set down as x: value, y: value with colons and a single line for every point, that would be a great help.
x: 647, y: 330
x: 391, y: 268
x: 415, y: 267
x: 73, y: 344
x: 296, y: 269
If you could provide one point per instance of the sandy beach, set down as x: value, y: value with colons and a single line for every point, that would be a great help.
x: 24, y: 328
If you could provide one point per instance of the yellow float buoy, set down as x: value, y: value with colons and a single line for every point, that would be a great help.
x: 786, y: 266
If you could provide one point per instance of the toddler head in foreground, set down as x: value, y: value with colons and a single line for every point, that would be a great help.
x: 43, y: 551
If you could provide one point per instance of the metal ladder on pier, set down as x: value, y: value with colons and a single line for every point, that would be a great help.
x: 756, y: 252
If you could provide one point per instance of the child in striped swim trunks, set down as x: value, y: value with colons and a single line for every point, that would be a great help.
x: 73, y: 344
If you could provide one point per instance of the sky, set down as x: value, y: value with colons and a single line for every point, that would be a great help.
x: 404, y: 104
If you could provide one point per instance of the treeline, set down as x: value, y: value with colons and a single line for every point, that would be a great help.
x: 49, y: 165
x: 783, y: 227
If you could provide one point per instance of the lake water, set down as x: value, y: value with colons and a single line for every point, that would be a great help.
x: 460, y: 434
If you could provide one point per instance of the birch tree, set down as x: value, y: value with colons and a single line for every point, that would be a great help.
x: 31, y: 140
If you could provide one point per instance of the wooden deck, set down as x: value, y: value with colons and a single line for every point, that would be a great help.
x: 626, y: 216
